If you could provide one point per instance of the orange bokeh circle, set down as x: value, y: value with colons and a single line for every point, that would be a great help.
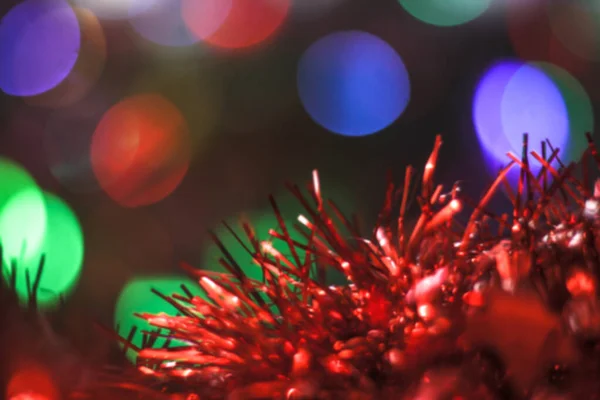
x: 248, y: 22
x: 141, y: 150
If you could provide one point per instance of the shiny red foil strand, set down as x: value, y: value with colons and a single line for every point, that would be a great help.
x: 412, y: 302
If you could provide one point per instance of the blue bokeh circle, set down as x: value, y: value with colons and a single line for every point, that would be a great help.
x: 353, y: 83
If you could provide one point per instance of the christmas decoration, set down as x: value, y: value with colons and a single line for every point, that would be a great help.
x: 503, y: 307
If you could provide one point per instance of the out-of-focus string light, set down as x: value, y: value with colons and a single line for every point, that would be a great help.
x: 196, y: 93
x: 85, y: 73
x: 140, y: 150
x: 534, y: 38
x: 22, y: 215
x: 234, y: 24
x: 542, y: 100
x: 31, y: 382
x: 162, y: 22
x: 576, y: 24
x: 29, y: 396
x: 36, y: 226
x: 353, y: 83
x: 579, y: 109
x: 532, y: 103
x: 445, y: 12
x: 62, y: 249
x: 204, y: 17
x: 538, y: 109
x: 39, y: 45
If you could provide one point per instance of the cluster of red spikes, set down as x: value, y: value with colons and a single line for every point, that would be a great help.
x: 406, y: 303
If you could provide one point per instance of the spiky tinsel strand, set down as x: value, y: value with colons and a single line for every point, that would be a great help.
x: 504, y: 307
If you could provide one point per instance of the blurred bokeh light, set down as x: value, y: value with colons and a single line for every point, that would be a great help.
x: 445, y: 12
x: 576, y: 24
x: 87, y: 69
x: 535, y: 28
x: 190, y: 88
x: 204, y: 17
x: 532, y: 103
x: 537, y: 109
x: 161, y: 22
x: 29, y: 396
x: 62, y: 248
x: 579, y: 110
x: 542, y: 100
x: 32, y: 382
x: 234, y: 24
x: 137, y: 297
x: 22, y: 215
x: 39, y: 45
x: 353, y: 83
x: 141, y: 150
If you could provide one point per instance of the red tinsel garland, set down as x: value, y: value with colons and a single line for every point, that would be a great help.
x: 504, y: 307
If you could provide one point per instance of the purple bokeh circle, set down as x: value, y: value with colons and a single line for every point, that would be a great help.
x: 39, y: 45
x: 514, y: 98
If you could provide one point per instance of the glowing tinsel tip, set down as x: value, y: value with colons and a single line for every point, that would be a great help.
x: 502, y: 307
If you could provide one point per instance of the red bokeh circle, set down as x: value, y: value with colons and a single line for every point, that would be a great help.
x: 140, y: 150
x: 533, y: 39
x: 31, y: 382
x: 248, y: 22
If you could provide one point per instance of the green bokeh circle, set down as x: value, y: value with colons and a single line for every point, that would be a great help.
x: 22, y: 215
x: 63, y: 249
x: 579, y: 109
x: 445, y: 12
